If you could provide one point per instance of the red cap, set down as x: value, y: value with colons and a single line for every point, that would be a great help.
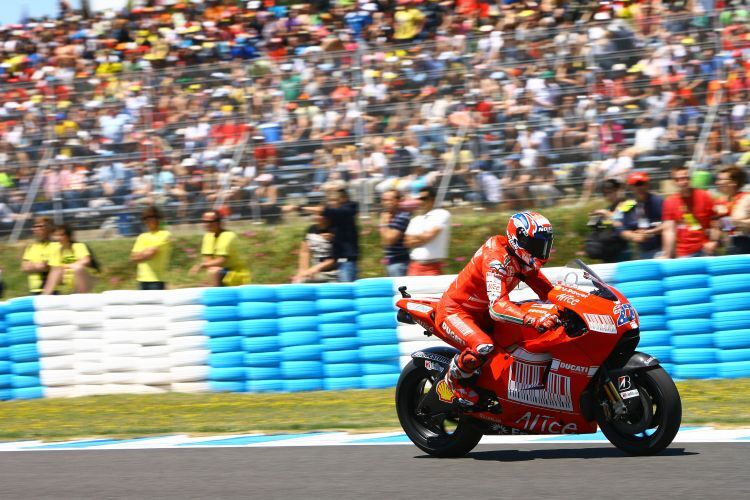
x: 637, y: 177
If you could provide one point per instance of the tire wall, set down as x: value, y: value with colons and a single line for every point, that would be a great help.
x: 288, y: 338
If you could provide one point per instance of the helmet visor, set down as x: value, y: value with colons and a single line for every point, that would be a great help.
x: 540, y: 246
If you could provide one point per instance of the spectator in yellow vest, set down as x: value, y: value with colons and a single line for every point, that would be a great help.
x: 220, y: 254
x: 36, y: 257
x: 71, y: 264
x: 151, y: 251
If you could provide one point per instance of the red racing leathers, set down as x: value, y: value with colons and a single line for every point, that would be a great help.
x: 479, y: 295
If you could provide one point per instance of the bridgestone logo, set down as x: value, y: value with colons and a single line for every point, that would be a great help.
x: 525, y: 385
x: 600, y: 323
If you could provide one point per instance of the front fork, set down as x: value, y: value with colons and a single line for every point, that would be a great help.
x: 616, y: 404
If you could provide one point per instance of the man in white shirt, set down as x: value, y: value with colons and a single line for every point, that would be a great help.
x: 428, y: 236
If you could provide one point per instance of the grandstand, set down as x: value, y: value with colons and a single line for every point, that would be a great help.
x: 185, y: 105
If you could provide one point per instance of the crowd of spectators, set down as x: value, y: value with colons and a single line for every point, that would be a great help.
x: 240, y: 105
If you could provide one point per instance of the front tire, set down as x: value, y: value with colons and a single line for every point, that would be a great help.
x: 656, y: 425
x: 446, y: 438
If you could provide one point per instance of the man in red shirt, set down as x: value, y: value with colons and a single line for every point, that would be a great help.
x: 689, y: 220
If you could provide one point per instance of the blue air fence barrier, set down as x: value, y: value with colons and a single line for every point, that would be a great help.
x: 270, y: 338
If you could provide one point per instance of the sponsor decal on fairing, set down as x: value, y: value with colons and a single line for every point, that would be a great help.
x: 411, y: 306
x: 526, y: 385
x: 536, y: 423
x: 629, y: 394
x: 558, y: 365
x: 431, y: 356
x: 625, y: 313
x: 623, y: 383
x: 568, y: 299
x: 444, y: 392
x: 600, y: 323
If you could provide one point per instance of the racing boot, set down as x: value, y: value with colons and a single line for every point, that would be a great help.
x: 459, y: 382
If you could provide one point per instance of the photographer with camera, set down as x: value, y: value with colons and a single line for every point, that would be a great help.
x: 605, y: 242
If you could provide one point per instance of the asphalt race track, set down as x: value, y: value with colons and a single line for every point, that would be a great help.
x: 581, y: 471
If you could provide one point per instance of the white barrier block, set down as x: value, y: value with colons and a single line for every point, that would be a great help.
x: 183, y: 296
x: 191, y: 387
x: 195, y: 357
x: 154, y: 365
x: 86, y: 302
x: 134, y: 389
x: 51, y: 302
x: 53, y: 318
x: 118, y: 349
x: 155, y: 337
x: 89, y: 367
x: 87, y: 333
x: 90, y: 319
x: 155, y: 351
x: 59, y: 332
x: 61, y: 392
x: 185, y: 313
x: 138, y: 311
x: 117, y: 336
x: 88, y: 345
x: 130, y: 297
x: 120, y: 364
x: 190, y: 373
x: 186, y: 328
x: 55, y: 347
x: 53, y: 363
x: 56, y: 378
x: 188, y: 343
x: 155, y: 378
x: 120, y: 377
x: 89, y: 380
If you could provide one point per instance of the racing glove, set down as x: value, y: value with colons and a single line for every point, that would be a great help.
x: 541, y: 322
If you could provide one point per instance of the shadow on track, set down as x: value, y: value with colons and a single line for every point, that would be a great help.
x: 560, y: 453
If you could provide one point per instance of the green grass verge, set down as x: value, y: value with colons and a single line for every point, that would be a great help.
x: 271, y: 251
x: 723, y: 403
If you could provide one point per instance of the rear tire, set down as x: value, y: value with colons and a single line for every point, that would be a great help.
x: 436, y: 438
x: 662, y: 413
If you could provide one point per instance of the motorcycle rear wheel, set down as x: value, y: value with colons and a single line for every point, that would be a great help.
x: 662, y: 411
x: 447, y: 438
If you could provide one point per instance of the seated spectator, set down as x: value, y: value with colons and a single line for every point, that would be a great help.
x: 640, y: 218
x: 690, y: 229
x: 37, y: 255
x: 317, y: 263
x: 734, y: 210
x: 221, y: 258
x: 152, y: 251
x: 71, y: 264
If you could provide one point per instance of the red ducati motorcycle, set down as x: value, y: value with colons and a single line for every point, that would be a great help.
x: 583, y: 374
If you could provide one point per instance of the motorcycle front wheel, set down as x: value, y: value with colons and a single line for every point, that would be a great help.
x: 650, y: 426
x: 442, y: 436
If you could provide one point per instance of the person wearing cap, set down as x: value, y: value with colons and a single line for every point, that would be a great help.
x: 220, y: 254
x: 151, y: 252
x: 690, y: 228
x: 640, y: 218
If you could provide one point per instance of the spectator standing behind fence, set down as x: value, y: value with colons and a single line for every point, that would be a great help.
x: 342, y: 213
x: 690, y: 229
x: 36, y: 257
x: 392, y: 226
x: 221, y: 255
x: 317, y: 263
x: 428, y: 236
x: 639, y: 219
x: 151, y: 251
x: 71, y: 264
x: 734, y: 210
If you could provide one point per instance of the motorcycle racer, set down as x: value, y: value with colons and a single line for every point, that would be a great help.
x: 480, y: 294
